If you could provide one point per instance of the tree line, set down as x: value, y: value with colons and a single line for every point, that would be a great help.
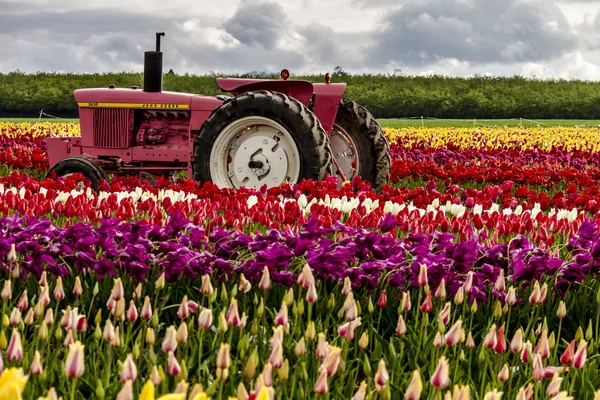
x: 386, y: 96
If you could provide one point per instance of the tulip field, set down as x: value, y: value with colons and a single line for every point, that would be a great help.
x: 473, y: 275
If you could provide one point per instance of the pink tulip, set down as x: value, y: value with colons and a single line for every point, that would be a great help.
x: 440, y: 292
x: 332, y: 360
x: 282, y: 316
x: 23, y: 302
x: 223, y: 358
x: 59, y: 291
x: 306, y: 277
x: 452, y: 337
x: 422, y: 278
x: 516, y: 343
x: 117, y: 292
x: 77, y: 290
x: 511, y: 297
x: 74, y: 364
x: 444, y: 315
x: 401, y: 326
x: 126, y: 392
x: 322, y: 346
x: 15, y: 348
x: 580, y: 355
x: 500, y: 284
x: 36, y: 364
x: 347, y: 288
x: 132, y: 313
x: 321, y: 383
x: 6, y: 293
x: 311, y: 295
x: 470, y: 342
x: 504, y: 374
x: 146, y: 309
x: 205, y: 318
x: 265, y: 280
x: 538, y: 368
x: 438, y: 341
x: 382, y: 302
x: 569, y: 354
x: 184, y: 311
x: 500, y: 346
x: 193, y: 306
x: 415, y: 387
x: 276, y: 358
x: 128, y: 370
x: 554, y: 386
x: 405, y: 301
x: 206, y: 288
x: 173, y: 367
x: 381, y: 377
x: 169, y: 342
x: 490, y: 340
x: 441, y: 378
x: 347, y: 330
x: 232, y: 317
x: 427, y: 305
x: 542, y: 347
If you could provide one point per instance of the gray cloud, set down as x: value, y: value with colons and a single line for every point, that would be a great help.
x: 452, y: 36
x: 477, y: 31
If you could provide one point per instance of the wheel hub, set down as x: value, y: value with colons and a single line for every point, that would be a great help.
x: 344, y: 152
x: 252, y: 152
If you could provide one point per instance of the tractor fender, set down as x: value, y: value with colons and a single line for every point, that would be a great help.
x: 328, y: 97
x: 298, y: 89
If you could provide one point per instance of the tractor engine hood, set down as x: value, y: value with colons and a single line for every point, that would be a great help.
x: 138, y: 99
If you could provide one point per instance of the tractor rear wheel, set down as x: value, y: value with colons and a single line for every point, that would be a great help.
x: 261, y: 138
x: 88, y: 169
x: 359, y: 145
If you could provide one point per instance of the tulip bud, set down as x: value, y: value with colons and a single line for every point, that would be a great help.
x: 96, y: 289
x: 381, y: 377
x: 15, y: 316
x: 265, y: 280
x: 155, y: 377
x: 363, y: 342
x: 422, y: 278
x: 405, y: 301
x: 173, y: 367
x: 6, y: 293
x: 15, y: 348
x: 348, y: 287
x: 146, y: 309
x: 118, y: 291
x: 440, y: 293
x: 100, y: 390
x: 382, y: 302
x: 3, y: 341
x: 184, y: 310
x: 116, y: 340
x: 459, y: 297
x: 77, y: 289
x: 470, y: 342
x: 250, y: 368
x: 36, y: 365
x: 401, y: 326
x: 244, y: 284
x: 150, y: 336
x: 74, y: 364
x: 284, y: 371
x: 441, y: 378
x: 497, y: 310
x: 415, y: 387
x: 554, y: 386
x: 589, y: 333
x: 182, y: 333
x: 300, y: 348
x: 321, y: 383
x: 311, y: 295
x: 126, y: 392
x: 59, y: 291
x: 562, y: 310
x: 222, y: 325
x: 109, y: 331
x: 504, y: 374
x: 579, y: 357
x: 128, y: 370
x: 169, y: 343
x: 43, y: 331
x: 310, y: 331
x: 160, y: 282
x: 132, y: 313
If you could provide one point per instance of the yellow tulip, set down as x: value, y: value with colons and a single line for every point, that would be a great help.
x: 12, y: 384
x: 148, y: 393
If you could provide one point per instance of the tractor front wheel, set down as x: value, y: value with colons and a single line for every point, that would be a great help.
x: 89, y: 169
x: 261, y: 138
x: 359, y: 145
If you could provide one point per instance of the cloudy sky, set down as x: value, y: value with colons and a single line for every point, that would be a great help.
x: 536, y: 38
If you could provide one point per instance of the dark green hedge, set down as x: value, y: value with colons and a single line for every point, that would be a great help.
x: 24, y: 95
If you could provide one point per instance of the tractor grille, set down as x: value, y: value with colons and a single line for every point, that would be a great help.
x: 111, y: 128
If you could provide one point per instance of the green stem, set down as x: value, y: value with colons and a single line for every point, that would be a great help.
x: 73, y: 388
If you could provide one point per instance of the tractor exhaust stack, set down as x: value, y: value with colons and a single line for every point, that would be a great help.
x: 153, y: 67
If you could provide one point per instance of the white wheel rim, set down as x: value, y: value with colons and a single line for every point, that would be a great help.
x: 252, y: 152
x: 344, y: 149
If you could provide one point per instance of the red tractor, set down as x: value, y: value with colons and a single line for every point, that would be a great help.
x: 271, y: 131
